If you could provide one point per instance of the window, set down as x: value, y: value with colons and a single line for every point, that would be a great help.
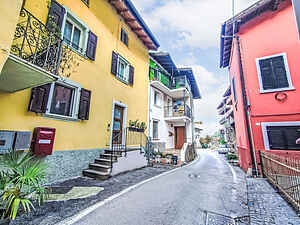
x: 124, y: 37
x: 234, y: 90
x: 123, y: 69
x: 63, y: 99
x: 156, y: 98
x: 75, y: 32
x: 281, y: 135
x: 155, y: 130
x: 273, y: 73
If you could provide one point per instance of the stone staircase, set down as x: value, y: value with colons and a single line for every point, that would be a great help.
x: 101, y: 167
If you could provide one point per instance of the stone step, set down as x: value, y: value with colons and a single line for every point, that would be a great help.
x: 99, y: 167
x: 104, y: 161
x: 95, y: 174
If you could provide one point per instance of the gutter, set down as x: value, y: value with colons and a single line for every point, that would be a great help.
x: 245, y: 107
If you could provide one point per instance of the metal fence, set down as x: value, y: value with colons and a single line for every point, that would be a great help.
x: 284, y: 173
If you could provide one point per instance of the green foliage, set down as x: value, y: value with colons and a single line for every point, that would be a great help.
x: 222, y: 141
x: 230, y: 156
x: 21, y: 178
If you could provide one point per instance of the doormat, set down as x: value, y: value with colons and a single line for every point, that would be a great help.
x: 64, y: 193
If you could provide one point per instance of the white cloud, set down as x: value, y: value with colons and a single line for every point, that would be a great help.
x: 197, y: 22
x: 212, y: 86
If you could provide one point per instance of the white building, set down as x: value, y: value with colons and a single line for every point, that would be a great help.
x: 171, y: 110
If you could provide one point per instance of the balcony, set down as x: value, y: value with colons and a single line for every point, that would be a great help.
x: 34, y: 56
x: 177, y: 113
x: 176, y: 87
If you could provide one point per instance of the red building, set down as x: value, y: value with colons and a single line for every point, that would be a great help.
x: 263, y: 57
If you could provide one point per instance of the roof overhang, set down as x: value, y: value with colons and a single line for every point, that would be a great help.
x: 131, y: 16
x: 179, y: 119
x: 188, y: 72
x: 165, y: 60
x: 238, y: 21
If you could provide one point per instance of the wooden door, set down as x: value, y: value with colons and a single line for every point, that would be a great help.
x: 179, y: 137
x: 118, y: 125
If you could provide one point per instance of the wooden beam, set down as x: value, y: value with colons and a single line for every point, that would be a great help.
x: 137, y: 29
x: 128, y: 20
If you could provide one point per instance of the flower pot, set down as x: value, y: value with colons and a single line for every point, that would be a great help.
x: 132, y: 129
x: 140, y: 130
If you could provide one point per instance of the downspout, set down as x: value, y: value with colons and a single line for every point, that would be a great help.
x: 245, y: 107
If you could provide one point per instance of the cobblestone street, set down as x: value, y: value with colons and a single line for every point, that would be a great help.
x: 266, y: 206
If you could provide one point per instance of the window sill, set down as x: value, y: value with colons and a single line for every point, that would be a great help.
x: 122, y: 80
x: 60, y: 117
x: 82, y: 54
x: 157, y: 106
x: 277, y: 90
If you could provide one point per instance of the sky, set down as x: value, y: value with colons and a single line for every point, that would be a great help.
x: 189, y: 30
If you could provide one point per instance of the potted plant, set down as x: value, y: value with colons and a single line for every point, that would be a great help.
x: 132, y: 125
x: 142, y: 127
x: 21, y: 177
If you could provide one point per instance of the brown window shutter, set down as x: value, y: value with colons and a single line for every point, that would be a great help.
x: 91, y: 46
x: 84, y: 104
x: 131, y: 75
x: 39, y: 99
x: 114, y: 63
x: 57, y: 11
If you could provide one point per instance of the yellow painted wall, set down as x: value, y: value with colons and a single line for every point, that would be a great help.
x: 104, y: 21
x: 8, y: 19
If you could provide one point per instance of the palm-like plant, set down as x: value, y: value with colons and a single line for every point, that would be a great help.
x: 21, y: 178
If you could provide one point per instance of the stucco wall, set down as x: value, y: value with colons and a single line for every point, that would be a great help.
x: 96, y: 76
x: 8, y: 19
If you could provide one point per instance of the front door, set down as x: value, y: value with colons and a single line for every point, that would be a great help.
x: 179, y: 137
x: 118, y: 125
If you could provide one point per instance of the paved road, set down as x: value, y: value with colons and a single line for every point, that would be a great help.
x: 180, y: 198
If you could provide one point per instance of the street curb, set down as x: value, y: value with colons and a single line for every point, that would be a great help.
x: 83, y: 213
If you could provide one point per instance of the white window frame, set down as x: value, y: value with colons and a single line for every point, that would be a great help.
x: 264, y: 126
x: 125, y: 77
x: 75, y: 21
x: 158, y: 100
x: 155, y: 121
x: 262, y: 90
x: 75, y: 104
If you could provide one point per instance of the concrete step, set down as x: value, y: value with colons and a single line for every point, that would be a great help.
x: 104, y: 161
x: 95, y: 174
x: 108, y: 151
x: 109, y: 156
x: 99, y: 167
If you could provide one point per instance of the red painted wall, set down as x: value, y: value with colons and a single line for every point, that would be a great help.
x: 269, y: 34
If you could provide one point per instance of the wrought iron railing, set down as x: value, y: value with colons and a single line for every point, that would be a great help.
x: 36, y: 44
x: 178, y: 111
x: 284, y: 173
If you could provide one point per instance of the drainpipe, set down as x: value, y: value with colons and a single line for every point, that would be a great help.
x: 245, y: 107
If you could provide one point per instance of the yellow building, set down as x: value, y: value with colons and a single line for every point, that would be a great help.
x: 87, y: 86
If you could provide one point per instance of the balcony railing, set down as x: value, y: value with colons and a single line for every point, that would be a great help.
x: 178, y: 111
x: 36, y: 44
x: 171, y: 83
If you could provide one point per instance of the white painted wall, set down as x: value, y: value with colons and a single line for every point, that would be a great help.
x: 156, y: 113
x: 133, y: 160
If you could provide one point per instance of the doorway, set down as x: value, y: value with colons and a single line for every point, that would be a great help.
x: 179, y: 137
x: 117, y: 129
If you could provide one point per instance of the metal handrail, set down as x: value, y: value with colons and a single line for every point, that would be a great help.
x: 284, y: 174
x: 178, y: 111
x: 36, y: 44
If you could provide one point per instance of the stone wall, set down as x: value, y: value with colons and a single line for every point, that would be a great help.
x: 63, y: 165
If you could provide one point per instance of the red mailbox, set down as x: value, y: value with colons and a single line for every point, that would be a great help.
x: 43, y: 140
